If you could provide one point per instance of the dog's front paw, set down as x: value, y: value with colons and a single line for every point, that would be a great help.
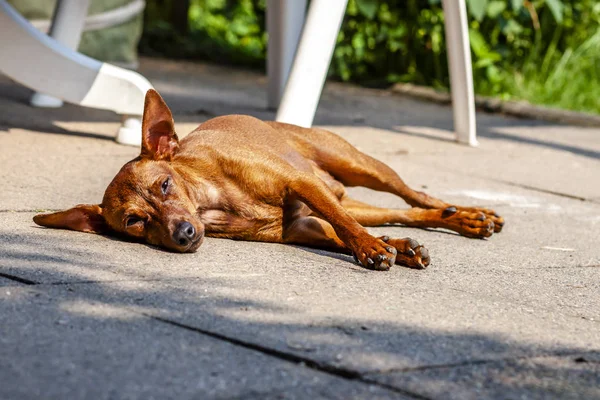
x: 375, y: 254
x: 410, y: 252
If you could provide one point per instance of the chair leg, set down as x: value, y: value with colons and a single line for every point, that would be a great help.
x: 285, y: 19
x: 40, y: 63
x: 461, y: 74
x: 67, y: 26
x: 313, y: 56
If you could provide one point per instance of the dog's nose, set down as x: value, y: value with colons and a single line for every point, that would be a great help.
x: 184, y: 233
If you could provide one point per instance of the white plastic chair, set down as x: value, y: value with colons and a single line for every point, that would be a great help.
x: 299, y: 55
x: 308, y: 72
x: 53, y: 67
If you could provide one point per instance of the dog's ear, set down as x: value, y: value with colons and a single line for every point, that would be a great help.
x: 159, y: 140
x: 84, y: 218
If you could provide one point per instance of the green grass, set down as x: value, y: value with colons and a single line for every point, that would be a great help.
x: 572, y: 83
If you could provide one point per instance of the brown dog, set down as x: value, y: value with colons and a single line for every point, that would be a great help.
x: 240, y: 178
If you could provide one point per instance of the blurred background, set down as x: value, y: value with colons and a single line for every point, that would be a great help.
x: 544, y: 51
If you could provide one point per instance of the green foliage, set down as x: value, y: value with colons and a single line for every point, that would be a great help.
x: 229, y: 31
x: 545, y: 51
x: 400, y: 41
x: 539, y: 51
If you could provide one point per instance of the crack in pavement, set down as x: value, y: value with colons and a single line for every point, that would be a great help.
x: 516, y: 184
x: 37, y: 210
x: 326, y: 368
x: 466, y: 363
x: 566, y: 267
x: 18, y: 279
x: 541, y: 190
x: 329, y: 369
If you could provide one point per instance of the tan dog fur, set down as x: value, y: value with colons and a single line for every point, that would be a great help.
x: 241, y: 178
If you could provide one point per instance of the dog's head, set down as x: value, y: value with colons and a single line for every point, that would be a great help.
x: 147, y: 200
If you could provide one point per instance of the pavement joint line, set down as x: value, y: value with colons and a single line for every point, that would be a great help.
x: 18, y: 279
x: 585, y: 360
x: 466, y: 363
x: 338, y: 372
x: 125, y: 280
x: 536, y: 189
x: 329, y: 369
x: 516, y: 184
x: 37, y: 210
x: 91, y: 282
x: 566, y: 267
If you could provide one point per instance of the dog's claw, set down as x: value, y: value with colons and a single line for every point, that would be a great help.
x: 385, y: 239
x: 412, y: 243
x: 410, y: 253
x: 375, y: 254
x: 449, y: 211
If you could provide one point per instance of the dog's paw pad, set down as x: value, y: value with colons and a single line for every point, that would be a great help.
x: 488, y: 214
x: 376, y: 254
x: 410, y: 253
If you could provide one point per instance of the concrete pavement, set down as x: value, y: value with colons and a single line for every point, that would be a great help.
x: 515, y: 316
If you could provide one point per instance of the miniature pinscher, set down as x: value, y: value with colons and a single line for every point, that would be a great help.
x: 240, y: 178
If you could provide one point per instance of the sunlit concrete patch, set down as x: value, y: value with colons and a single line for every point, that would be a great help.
x: 427, y: 132
x: 93, y: 309
x: 557, y: 248
x: 509, y: 199
x: 93, y: 128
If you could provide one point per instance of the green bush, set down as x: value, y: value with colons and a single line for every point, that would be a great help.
x: 544, y: 51
x: 227, y: 31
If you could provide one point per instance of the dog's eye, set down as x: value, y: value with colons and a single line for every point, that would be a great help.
x: 133, y: 220
x: 165, y: 186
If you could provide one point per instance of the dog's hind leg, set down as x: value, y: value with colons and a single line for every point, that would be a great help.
x: 366, y: 171
x: 466, y: 223
x: 352, y: 167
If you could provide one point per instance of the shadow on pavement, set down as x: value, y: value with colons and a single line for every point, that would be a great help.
x: 408, y: 359
x: 197, y: 92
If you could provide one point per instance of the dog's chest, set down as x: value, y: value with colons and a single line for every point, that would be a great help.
x: 230, y: 212
x: 248, y: 225
x: 218, y: 220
